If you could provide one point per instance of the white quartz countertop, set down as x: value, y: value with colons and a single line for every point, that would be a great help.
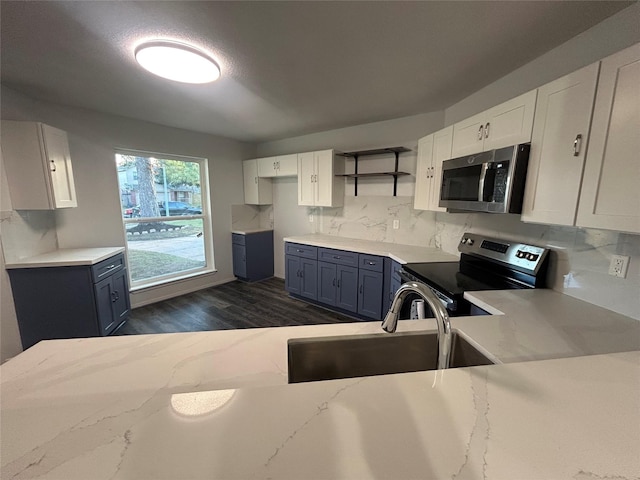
x: 216, y: 404
x: 67, y: 257
x: 399, y: 253
x: 249, y: 231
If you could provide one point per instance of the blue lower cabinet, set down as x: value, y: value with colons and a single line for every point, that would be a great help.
x: 301, y: 270
x: 370, y: 291
x: 252, y: 255
x: 309, y: 278
x: 327, y: 283
x: 292, y: 274
x: 347, y: 288
x: 239, y: 253
x: 347, y: 281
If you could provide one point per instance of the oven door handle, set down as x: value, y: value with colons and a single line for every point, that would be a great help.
x: 482, y: 181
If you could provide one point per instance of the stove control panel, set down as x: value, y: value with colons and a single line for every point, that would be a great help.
x: 524, y: 257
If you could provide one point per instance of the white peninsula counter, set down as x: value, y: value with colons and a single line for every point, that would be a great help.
x: 217, y: 405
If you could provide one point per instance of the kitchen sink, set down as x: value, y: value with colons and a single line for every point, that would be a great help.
x: 327, y: 358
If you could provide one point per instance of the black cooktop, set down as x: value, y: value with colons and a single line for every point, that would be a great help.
x: 452, y: 280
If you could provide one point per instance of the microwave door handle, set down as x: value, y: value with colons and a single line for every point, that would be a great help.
x: 483, y: 176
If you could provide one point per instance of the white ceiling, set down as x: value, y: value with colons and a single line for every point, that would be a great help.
x: 288, y: 68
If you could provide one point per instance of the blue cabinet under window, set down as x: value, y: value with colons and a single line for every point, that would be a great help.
x: 252, y: 255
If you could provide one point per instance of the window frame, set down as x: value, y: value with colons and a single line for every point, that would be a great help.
x: 205, y: 216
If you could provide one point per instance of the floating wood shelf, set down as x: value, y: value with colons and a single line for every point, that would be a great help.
x: 378, y: 151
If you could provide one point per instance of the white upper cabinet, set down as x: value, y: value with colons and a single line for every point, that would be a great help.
x: 506, y: 124
x: 280, y: 166
x: 257, y: 191
x: 432, y: 151
x: 317, y: 182
x: 266, y: 167
x: 38, y: 166
x: 558, y: 146
x: 610, y: 196
x: 442, y: 143
x: 287, y: 165
x: 424, y: 173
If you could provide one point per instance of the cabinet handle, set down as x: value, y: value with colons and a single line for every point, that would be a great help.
x: 360, y: 288
x: 117, y: 295
x: 274, y: 165
x: 337, y: 257
x: 372, y: 263
x: 53, y: 166
x: 480, y: 132
x: 111, y: 266
x: 299, y: 251
x: 577, y: 145
x: 486, y: 130
x: 334, y: 282
x: 338, y: 283
x: 297, y: 273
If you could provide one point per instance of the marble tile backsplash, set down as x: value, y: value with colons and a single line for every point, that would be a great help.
x: 245, y: 217
x: 27, y: 233
x: 579, y: 257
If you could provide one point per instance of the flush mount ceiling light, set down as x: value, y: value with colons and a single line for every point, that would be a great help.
x: 177, y: 61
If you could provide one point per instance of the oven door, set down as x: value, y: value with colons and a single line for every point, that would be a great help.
x: 447, y: 302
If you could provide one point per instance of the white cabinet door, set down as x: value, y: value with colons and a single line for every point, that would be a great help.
x: 610, y: 196
x: 267, y: 167
x: 506, y: 124
x: 558, y: 146
x: 423, y: 173
x: 38, y: 166
x: 257, y: 191
x: 324, y: 178
x: 306, y: 179
x: 56, y: 146
x: 287, y: 165
x: 468, y: 136
x: 329, y: 188
x: 442, y: 142
x: 510, y: 123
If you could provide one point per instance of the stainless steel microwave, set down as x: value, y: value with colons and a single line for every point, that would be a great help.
x: 486, y: 182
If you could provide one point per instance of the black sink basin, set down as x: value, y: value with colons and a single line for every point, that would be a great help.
x: 327, y: 358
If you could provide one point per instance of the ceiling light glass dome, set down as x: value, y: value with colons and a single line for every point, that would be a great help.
x: 177, y: 61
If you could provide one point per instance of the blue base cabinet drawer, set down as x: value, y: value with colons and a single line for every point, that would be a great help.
x: 339, y: 257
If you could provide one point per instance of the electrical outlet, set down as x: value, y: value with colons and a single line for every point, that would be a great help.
x: 396, y: 224
x: 618, y: 266
x: 311, y: 218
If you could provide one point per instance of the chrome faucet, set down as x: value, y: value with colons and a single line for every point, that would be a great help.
x: 390, y: 322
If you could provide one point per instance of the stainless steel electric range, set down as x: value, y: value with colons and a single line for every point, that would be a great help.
x: 485, y: 264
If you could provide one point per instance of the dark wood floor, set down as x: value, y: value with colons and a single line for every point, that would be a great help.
x: 229, y: 306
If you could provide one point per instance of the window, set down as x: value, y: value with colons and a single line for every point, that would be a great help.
x: 165, y: 203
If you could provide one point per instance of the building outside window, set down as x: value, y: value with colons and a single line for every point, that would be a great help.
x: 165, y: 211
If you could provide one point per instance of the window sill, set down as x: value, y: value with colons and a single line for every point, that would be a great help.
x: 172, y: 281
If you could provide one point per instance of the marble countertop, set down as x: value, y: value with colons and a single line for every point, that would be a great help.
x: 248, y: 231
x: 66, y: 257
x: 399, y: 253
x: 216, y: 404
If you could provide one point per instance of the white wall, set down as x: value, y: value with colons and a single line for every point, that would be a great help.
x: 97, y: 219
x: 613, y: 34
